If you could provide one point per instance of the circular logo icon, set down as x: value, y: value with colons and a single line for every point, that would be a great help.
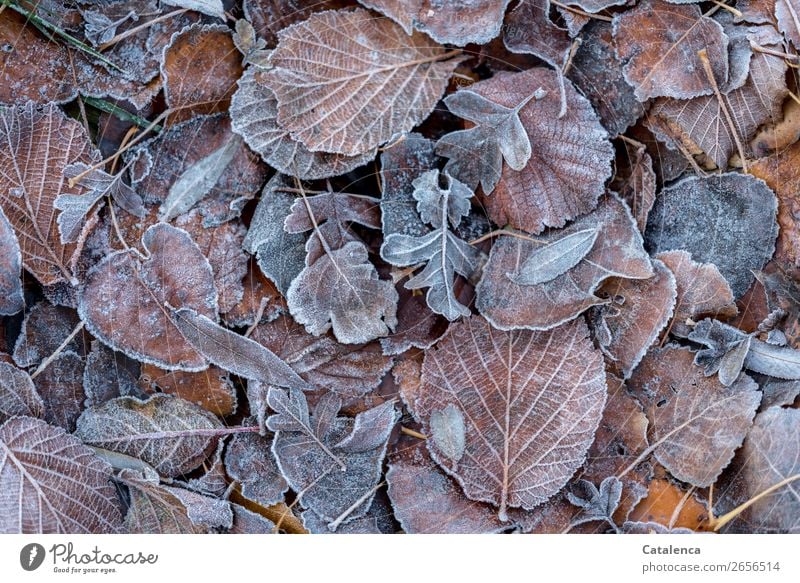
x: 31, y: 556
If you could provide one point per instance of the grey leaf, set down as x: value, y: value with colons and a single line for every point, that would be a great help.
x: 776, y: 361
x: 99, y: 28
x: 596, y: 504
x: 234, y: 352
x: 18, y: 396
x: 249, y: 461
x: 725, y: 352
x: 448, y: 431
x: 11, y: 298
x: 548, y: 262
x: 438, y: 206
x: 197, y: 181
x: 370, y: 429
x: 210, y: 7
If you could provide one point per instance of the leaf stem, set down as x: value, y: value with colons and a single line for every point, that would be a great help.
x: 718, y: 523
x: 131, y: 31
x: 575, y: 10
x: 47, y: 361
x: 332, y: 526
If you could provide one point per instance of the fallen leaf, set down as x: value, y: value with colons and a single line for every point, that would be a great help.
x: 108, y: 374
x: 377, y: 520
x: 786, y: 16
x: 596, y: 504
x: 637, y: 186
x: 169, y: 433
x: 529, y: 420
x: 252, y: 47
x: 11, y: 298
x: 271, y: 16
x: 404, y: 77
x: 507, y: 305
x: 211, y: 389
x: 776, y: 361
x: 778, y: 393
x: 214, y: 482
x: 249, y: 461
x: 210, y: 7
x: 18, y: 396
x: 726, y: 349
x: 140, y: 288
x: 659, y: 44
x: 261, y: 301
x: 725, y: 219
x: 554, y: 258
x: 52, y: 483
x: 696, y: 424
x: 60, y: 386
x: 528, y: 29
x: 44, y: 329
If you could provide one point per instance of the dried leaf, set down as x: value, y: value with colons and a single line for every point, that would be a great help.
x: 476, y: 154
x: 769, y: 456
x: 725, y: 352
x: 638, y: 312
x: 44, y: 329
x: 333, y: 212
x: 38, y: 143
x: 346, y: 369
x: 342, y: 291
x: 213, y: 482
x: 254, y: 116
x: 18, y: 396
x: 725, y: 219
x: 139, y: 289
x: 659, y: 42
x: 200, y: 68
x: 652, y: 528
x: 321, y: 94
x: 528, y: 29
x: 522, y: 447
x: 377, y: 520
x: 166, y: 432
x: 596, y: 504
x: 564, y: 177
x: 11, y: 298
x: 507, y: 305
x: 210, y: 7
x: 775, y: 361
x: 51, y: 483
x: 786, y: 12
x: 335, y: 482
x: 696, y: 424
x: 702, y: 291
x: 235, y: 353
x: 778, y: 393
x: 60, y: 386
x: 448, y: 432
x: 554, y: 258
x: 637, y: 187
x: 108, y: 374
x: 211, y: 389
x: 249, y: 461
x: 269, y: 17
x: 250, y: 45
x: 456, y: 24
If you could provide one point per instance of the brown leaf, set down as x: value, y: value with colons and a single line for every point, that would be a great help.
x: 636, y: 185
x: 44, y: 329
x: 211, y: 389
x: 529, y: 419
x: 528, y: 29
x: 158, y: 431
x: 11, y: 299
x: 139, y: 324
x: 37, y: 144
x: 254, y: 116
x: 564, y: 177
x: 271, y: 16
x: 769, y: 456
x: 448, y: 23
x: 347, y: 369
x: 51, y: 483
x: 61, y: 388
x: 199, y: 69
x: 214, y: 482
x: 702, y: 291
x: 786, y: 14
x: 343, y: 101
x: 696, y: 423
x: 659, y: 42
x: 667, y: 503
x: 260, y: 296
x: 249, y: 461
x: 108, y: 374
x: 776, y: 137
x: 507, y: 305
x: 18, y: 396
x: 639, y: 310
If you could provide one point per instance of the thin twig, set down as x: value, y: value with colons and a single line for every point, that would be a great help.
x: 510, y: 233
x: 679, y: 507
x: 332, y: 526
x: 262, y: 306
x: 730, y: 9
x: 718, y: 523
x: 581, y: 12
x: 759, y: 49
x: 47, y: 361
x: 412, y: 433
x: 571, y: 55
x: 135, y: 29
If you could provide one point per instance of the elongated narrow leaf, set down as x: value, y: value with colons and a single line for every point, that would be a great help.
x: 235, y: 353
x: 548, y: 262
x: 11, y: 300
x: 776, y: 361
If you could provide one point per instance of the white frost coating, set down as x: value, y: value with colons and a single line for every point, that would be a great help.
x: 553, y: 259
x: 447, y: 427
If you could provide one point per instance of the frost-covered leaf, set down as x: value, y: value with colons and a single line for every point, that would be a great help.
x: 528, y: 29
x: 254, y: 116
x: 637, y: 186
x: 249, y: 461
x: 235, y: 353
x: 169, y: 433
x: 346, y: 369
x: 701, y: 122
x: 210, y: 7
x: 99, y: 28
x: 725, y: 219
x: 377, y: 520
x: 696, y: 423
x: 476, y: 154
x: 212, y: 389
x: 417, y: 325
x: 530, y: 410
x: 334, y: 213
x: 726, y: 348
x: 44, y: 329
x: 596, y: 504
x: 250, y: 45
x: 38, y: 143
x: 554, y: 258
x: 11, y: 299
x: 280, y: 255
x: 74, y: 209
x: 341, y: 291
x: 213, y: 482
x: 633, y: 527
x: 597, y: 72
x: 247, y: 522
x: 338, y: 483
x: 702, y: 291
x: 176, y: 274
x: 776, y: 361
x: 659, y: 44
x: 200, y: 68
x: 617, y: 252
x: 778, y: 393
x: 770, y: 454
x: 51, y: 483
x: 108, y: 374
x: 564, y: 177
x: 448, y: 432
x: 60, y: 386
x: 18, y: 396
x: 786, y: 14
x: 197, y: 181
x: 439, y: 205
x: 380, y: 82
x: 457, y: 23
x: 638, y: 312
